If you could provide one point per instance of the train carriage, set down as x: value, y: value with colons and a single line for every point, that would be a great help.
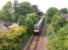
x: 38, y: 26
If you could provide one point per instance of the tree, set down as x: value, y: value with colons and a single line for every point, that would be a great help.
x: 50, y: 12
x: 58, y: 21
x: 35, y: 7
x: 7, y: 11
x: 24, y: 8
x: 18, y: 12
x: 1, y: 14
x: 14, y: 10
x: 38, y: 11
x: 31, y: 19
x: 64, y: 10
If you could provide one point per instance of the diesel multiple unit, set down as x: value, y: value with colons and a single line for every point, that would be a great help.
x: 38, y: 26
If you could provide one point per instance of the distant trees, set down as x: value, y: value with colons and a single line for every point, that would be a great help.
x: 35, y: 7
x: 50, y: 12
x: 7, y: 10
x: 19, y: 12
x: 57, y: 29
x: 23, y: 10
x: 5, y: 13
x: 64, y: 10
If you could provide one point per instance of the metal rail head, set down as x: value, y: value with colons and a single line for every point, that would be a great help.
x: 34, y: 42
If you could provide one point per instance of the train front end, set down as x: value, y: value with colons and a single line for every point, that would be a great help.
x: 36, y: 30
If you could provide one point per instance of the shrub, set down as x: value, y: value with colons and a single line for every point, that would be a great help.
x: 57, y: 32
x: 14, y: 39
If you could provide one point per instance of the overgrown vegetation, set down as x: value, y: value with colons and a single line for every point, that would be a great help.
x: 14, y: 39
x: 57, y: 30
x: 25, y: 15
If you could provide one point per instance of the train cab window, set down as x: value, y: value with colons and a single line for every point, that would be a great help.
x: 36, y: 29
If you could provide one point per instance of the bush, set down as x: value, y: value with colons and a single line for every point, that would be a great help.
x: 14, y: 39
x: 60, y: 41
x: 31, y: 19
x: 57, y: 32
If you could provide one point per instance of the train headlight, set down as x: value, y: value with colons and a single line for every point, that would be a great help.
x: 36, y: 30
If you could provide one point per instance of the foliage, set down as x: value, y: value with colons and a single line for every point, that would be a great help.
x: 28, y: 20
x: 58, y: 21
x: 50, y: 12
x: 23, y: 9
x: 14, y: 39
x: 23, y: 14
x: 60, y: 41
x: 35, y: 7
x: 63, y: 31
x: 57, y: 32
x: 7, y: 11
x: 21, y: 20
x: 64, y: 10
x: 14, y: 15
x: 55, y: 44
x: 31, y: 19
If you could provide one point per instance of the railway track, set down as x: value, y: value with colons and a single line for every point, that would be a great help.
x: 33, y: 43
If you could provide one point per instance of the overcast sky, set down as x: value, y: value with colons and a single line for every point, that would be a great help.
x: 42, y: 4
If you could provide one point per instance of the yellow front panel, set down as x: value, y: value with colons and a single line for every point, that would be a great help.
x: 36, y: 30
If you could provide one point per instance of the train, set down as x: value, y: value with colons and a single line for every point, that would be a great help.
x: 38, y: 26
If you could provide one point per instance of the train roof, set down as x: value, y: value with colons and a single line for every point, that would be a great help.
x: 39, y: 21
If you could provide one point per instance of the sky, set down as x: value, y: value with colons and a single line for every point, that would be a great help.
x: 42, y: 4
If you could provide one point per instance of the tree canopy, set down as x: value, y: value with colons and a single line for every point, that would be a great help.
x: 50, y: 12
x: 64, y: 10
